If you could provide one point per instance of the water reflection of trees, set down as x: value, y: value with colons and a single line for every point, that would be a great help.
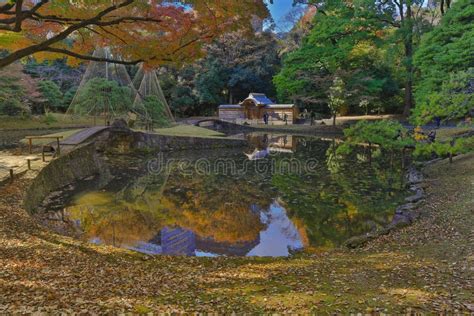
x: 349, y: 197
x: 219, y: 208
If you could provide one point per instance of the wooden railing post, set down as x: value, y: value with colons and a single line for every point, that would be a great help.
x: 59, y: 147
x: 57, y: 138
x: 11, y: 175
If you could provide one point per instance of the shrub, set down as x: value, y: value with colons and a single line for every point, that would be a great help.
x: 443, y: 149
x: 387, y: 134
x: 13, y: 107
x: 49, y: 118
x: 454, y: 100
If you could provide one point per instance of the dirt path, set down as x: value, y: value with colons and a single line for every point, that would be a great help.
x: 426, y: 267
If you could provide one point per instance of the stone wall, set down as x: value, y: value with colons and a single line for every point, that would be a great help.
x: 125, y: 141
x: 75, y: 165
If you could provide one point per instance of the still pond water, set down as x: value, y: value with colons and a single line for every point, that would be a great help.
x: 282, y: 194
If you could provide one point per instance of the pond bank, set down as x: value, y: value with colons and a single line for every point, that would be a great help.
x: 426, y: 267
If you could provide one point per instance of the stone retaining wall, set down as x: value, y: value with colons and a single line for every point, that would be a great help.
x: 75, y: 165
x: 125, y: 141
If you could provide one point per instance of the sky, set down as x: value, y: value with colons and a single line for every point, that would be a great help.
x: 279, y: 8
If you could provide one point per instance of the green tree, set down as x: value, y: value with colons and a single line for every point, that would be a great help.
x: 387, y: 134
x: 237, y: 64
x: 102, y: 97
x: 69, y: 96
x: 53, y: 95
x: 407, y: 20
x: 454, y: 100
x: 447, y: 49
x: 179, y: 89
x: 12, y: 97
x: 154, y: 111
x: 342, y: 42
x: 337, y: 97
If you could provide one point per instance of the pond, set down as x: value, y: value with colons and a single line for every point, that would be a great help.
x: 281, y: 195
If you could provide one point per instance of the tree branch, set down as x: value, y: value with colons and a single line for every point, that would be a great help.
x: 19, y: 15
x: 6, y: 7
x: 112, y: 34
x: 60, y: 36
x: 91, y: 58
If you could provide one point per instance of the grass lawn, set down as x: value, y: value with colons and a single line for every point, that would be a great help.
x: 188, y: 130
x: 38, y: 122
x: 426, y: 267
x: 445, y: 134
x: 354, y: 119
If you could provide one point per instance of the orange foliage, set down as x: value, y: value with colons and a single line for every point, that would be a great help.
x: 154, y: 31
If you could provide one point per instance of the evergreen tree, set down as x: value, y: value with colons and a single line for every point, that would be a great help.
x: 53, y: 95
x: 444, y: 53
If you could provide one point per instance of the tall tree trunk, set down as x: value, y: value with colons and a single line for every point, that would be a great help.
x: 334, y: 120
x: 408, y: 43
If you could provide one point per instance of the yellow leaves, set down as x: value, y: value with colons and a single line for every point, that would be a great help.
x: 8, y: 39
x: 43, y: 56
x: 13, y: 41
x: 363, y: 48
x: 418, y: 134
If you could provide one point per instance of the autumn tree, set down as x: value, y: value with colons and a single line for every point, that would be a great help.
x: 154, y: 31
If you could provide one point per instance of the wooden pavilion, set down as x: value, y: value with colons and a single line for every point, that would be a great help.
x: 253, y: 109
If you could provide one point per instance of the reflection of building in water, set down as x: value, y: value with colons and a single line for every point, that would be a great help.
x: 178, y: 241
x: 230, y: 249
x: 183, y: 242
x: 275, y: 142
x: 170, y: 241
